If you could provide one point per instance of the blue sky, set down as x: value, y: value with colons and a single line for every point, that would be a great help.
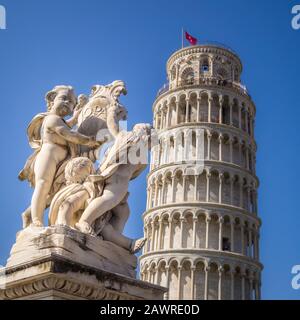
x: 82, y: 43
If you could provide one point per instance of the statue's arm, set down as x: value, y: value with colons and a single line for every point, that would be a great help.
x: 82, y: 100
x: 74, y: 137
x: 72, y: 121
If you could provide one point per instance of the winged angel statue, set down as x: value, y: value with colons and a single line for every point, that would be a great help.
x: 62, y: 167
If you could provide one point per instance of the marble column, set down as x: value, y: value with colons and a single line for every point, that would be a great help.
x: 173, y: 187
x: 250, y: 242
x: 187, y: 142
x: 248, y: 207
x: 256, y: 289
x: 168, y: 116
x: 243, y: 239
x: 220, y: 272
x: 232, y: 273
x: 184, y: 177
x: 182, y: 221
x: 210, y: 100
x: 163, y: 189
x: 160, y: 221
x: 177, y: 112
x: 241, y: 192
x: 231, y: 190
x: 198, y: 109
x: 240, y: 152
x: 221, y: 100
x: 167, y: 294
x: 231, y: 150
x: 243, y: 286
x: 196, y: 178
x: 247, y: 158
x: 179, y: 282
x: 208, y: 219
x: 156, y: 193
x: 221, y: 180
x: 209, y: 136
x: 246, y: 120
x: 187, y: 108
x: 206, y: 270
x: 251, y: 287
x: 208, y: 175
x: 199, y: 145
x: 195, y: 222
x: 192, y: 283
x: 240, y: 116
x: 231, y: 115
x: 232, y: 236
x: 170, y: 232
x: 221, y: 138
x: 152, y: 236
x: 221, y: 221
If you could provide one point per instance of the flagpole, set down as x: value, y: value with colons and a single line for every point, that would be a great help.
x: 181, y: 38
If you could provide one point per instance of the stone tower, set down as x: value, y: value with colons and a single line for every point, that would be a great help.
x: 201, y: 218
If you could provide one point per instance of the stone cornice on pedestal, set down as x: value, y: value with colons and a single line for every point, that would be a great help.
x: 60, y: 263
x: 55, y: 277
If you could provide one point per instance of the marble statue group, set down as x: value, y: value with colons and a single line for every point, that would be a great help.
x: 82, y: 190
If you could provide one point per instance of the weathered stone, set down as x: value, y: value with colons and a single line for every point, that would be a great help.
x: 57, y: 278
x: 38, y: 242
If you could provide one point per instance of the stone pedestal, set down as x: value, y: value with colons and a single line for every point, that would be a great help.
x: 60, y: 263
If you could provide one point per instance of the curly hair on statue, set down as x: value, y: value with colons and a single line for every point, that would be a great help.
x: 78, y: 169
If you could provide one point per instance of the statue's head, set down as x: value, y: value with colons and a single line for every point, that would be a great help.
x: 78, y: 169
x: 61, y: 100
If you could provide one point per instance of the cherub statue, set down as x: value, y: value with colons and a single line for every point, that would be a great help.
x: 103, y: 195
x: 54, y: 142
x: 71, y: 200
x: 117, y: 169
x: 81, y: 188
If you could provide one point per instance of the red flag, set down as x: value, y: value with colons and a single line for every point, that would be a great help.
x: 193, y: 41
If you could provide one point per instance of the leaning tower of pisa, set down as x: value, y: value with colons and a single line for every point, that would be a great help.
x: 201, y: 219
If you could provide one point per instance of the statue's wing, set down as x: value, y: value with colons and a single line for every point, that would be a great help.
x: 34, y: 130
x: 35, y: 141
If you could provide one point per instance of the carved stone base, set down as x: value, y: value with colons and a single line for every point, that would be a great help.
x: 56, y: 278
x: 34, y: 243
x: 57, y: 263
